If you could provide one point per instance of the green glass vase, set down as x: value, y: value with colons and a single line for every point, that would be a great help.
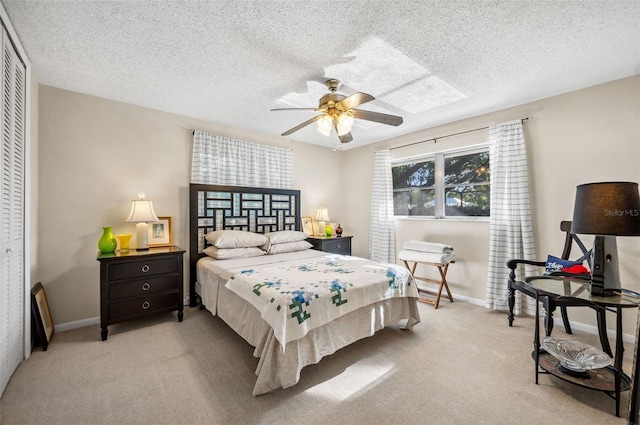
x: 107, y: 242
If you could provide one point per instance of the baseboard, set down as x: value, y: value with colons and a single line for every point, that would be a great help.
x: 556, y: 321
x: 469, y: 300
x: 77, y: 324
x: 87, y: 322
x: 630, y: 338
x: 579, y: 326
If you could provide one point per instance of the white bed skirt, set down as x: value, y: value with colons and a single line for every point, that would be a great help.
x: 278, y: 369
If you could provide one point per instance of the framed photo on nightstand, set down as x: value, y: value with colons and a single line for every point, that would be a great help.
x: 160, y: 232
x: 307, y: 225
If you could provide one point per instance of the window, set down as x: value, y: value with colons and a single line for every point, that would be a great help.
x: 454, y: 184
x: 414, y: 188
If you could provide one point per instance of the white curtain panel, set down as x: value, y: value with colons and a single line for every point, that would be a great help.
x: 382, y: 238
x: 511, y: 230
x: 225, y: 161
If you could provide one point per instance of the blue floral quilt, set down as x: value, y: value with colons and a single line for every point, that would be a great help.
x: 299, y: 295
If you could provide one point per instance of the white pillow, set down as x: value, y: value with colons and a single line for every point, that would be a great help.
x: 235, y: 239
x: 228, y: 253
x: 281, y: 248
x: 284, y: 236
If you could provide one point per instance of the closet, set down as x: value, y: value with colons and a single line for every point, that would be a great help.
x: 12, y: 211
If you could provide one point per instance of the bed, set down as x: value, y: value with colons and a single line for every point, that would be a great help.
x: 284, y: 350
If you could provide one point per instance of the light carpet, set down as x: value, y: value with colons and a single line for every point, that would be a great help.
x: 461, y: 365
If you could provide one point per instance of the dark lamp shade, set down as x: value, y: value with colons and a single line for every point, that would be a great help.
x: 608, y: 208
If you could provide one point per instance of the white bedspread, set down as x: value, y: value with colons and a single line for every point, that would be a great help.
x: 280, y: 368
x: 296, y: 296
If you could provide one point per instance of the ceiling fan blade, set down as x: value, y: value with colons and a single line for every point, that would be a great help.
x: 295, y: 109
x: 378, y: 117
x: 345, y: 138
x: 356, y: 99
x: 299, y: 126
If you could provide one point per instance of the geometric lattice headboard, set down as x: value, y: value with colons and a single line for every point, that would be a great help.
x: 253, y: 209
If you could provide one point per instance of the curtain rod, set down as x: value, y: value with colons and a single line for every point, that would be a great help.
x: 435, y: 139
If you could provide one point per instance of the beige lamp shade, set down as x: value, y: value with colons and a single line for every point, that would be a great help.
x: 142, y: 211
x: 322, y: 214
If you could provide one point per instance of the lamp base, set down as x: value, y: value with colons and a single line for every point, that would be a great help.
x: 322, y: 225
x: 600, y: 291
x: 142, y: 236
x: 605, y: 271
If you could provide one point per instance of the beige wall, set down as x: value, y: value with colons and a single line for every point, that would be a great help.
x: 88, y: 173
x: 584, y: 136
x: 97, y: 154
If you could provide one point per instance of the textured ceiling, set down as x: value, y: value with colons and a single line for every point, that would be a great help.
x: 232, y: 61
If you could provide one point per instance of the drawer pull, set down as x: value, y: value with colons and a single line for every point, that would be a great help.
x: 146, y: 286
x: 145, y: 268
x: 146, y: 305
x: 338, y: 246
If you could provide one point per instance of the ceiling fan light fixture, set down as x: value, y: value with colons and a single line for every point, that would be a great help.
x: 339, y: 111
x: 324, y: 125
x: 345, y: 122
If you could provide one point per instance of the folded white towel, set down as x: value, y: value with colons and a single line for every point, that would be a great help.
x: 428, y: 247
x: 426, y: 257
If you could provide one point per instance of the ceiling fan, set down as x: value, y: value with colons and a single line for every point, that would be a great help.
x: 338, y: 111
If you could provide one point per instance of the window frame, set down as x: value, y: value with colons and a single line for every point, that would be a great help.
x: 439, y: 175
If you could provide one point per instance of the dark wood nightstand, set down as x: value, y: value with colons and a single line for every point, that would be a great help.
x: 335, y: 245
x: 135, y: 284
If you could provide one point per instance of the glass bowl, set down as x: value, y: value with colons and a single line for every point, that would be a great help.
x: 574, y: 355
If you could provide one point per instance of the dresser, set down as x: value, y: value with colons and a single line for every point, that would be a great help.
x: 335, y: 245
x: 135, y: 284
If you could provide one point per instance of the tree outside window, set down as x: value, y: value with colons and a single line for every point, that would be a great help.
x: 464, y: 185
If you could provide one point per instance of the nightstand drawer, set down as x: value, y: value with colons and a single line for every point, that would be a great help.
x: 136, y: 283
x: 334, y: 245
x: 137, y: 288
x: 143, y: 268
x: 140, y: 306
x: 338, y: 246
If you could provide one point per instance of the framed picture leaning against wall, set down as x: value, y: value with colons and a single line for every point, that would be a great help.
x: 42, y: 321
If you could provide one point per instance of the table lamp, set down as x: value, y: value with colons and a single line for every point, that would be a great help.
x: 606, y: 210
x: 323, y: 216
x: 141, y: 213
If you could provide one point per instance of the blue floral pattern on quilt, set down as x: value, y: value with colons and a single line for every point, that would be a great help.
x: 299, y: 295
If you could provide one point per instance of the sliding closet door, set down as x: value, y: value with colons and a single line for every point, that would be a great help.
x: 12, y: 223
